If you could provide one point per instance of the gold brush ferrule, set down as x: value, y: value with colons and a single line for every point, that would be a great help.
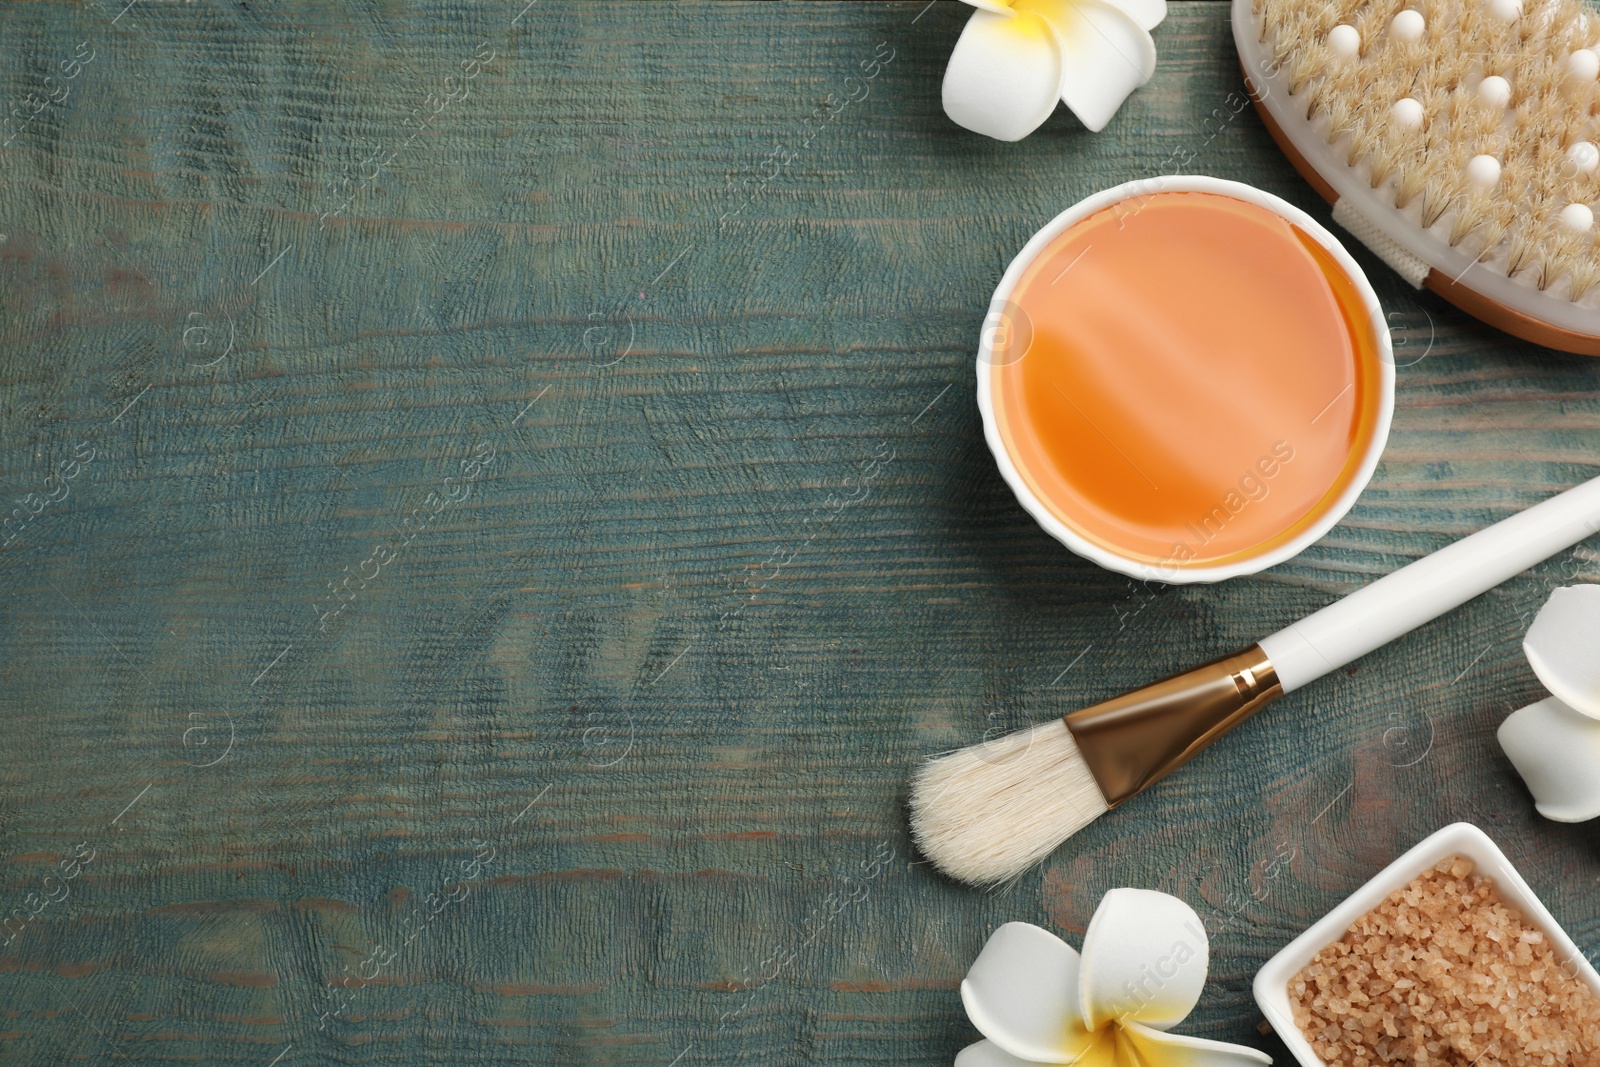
x: 1136, y: 739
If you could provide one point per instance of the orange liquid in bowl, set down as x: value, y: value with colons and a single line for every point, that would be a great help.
x: 1187, y: 379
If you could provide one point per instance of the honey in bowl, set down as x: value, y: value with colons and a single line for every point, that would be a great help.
x: 1188, y: 380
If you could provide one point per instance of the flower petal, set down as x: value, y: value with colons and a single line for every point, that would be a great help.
x: 989, y: 1054
x: 1563, y: 645
x: 1557, y: 752
x: 999, y: 7
x: 1022, y: 994
x: 1176, y: 1050
x: 1106, y: 53
x: 1147, y: 13
x: 1004, y: 76
x: 1145, y: 956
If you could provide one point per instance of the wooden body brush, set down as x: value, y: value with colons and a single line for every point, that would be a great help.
x: 1457, y: 139
x: 986, y: 813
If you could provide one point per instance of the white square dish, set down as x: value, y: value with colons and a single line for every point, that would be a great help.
x: 1462, y: 839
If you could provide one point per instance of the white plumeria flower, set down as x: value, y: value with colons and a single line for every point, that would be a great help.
x: 1143, y: 966
x: 1016, y: 58
x: 1555, y: 744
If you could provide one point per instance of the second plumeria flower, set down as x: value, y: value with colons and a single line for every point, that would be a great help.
x: 1016, y: 58
x: 1142, y: 969
x: 1555, y: 744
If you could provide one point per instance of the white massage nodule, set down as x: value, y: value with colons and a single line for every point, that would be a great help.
x: 1495, y: 91
x: 1579, y: 218
x: 1408, y: 26
x: 1584, y: 156
x: 1345, y: 40
x: 1484, y: 171
x: 1407, y: 113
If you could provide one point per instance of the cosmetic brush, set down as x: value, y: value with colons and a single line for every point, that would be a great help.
x: 988, y: 812
x: 1457, y: 139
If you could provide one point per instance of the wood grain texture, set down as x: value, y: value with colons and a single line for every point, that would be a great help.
x: 721, y: 554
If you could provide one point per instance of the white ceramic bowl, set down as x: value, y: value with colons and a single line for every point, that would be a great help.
x: 1459, y: 839
x: 1053, y: 525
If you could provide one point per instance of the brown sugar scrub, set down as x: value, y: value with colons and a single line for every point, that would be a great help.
x: 1444, y: 973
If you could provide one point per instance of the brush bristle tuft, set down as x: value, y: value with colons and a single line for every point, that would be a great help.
x: 1527, y: 124
x: 987, y: 813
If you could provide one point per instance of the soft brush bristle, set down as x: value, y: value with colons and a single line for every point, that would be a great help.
x: 989, y: 812
x: 1432, y: 168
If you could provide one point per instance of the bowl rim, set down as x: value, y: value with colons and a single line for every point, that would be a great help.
x: 1105, y: 557
x: 1271, y: 985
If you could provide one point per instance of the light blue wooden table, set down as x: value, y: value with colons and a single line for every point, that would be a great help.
x: 493, y: 569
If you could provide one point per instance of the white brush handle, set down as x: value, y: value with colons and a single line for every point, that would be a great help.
x: 1419, y: 592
